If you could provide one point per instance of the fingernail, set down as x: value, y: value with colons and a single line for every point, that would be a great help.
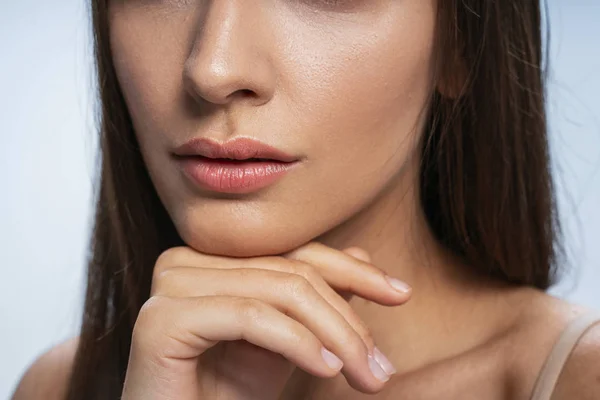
x: 377, y: 371
x: 331, y: 359
x: 398, y: 285
x: 384, y: 362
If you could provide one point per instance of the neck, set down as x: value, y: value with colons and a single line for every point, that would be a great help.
x: 452, y: 308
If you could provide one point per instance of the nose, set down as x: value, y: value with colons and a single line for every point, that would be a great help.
x: 230, y: 57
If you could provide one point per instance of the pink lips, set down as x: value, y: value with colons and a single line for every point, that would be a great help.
x: 242, y: 165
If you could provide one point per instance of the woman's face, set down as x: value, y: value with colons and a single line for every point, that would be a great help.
x: 339, y: 84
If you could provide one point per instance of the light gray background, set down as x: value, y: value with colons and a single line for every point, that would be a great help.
x: 47, y: 152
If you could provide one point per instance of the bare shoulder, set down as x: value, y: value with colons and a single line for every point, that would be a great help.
x: 547, y: 318
x: 542, y: 319
x: 580, y: 377
x: 47, y: 377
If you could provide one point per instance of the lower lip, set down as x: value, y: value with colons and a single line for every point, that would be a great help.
x: 233, y: 176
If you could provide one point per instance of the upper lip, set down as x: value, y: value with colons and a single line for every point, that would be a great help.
x: 240, y: 148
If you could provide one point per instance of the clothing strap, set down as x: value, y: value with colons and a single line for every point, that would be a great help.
x: 557, y: 358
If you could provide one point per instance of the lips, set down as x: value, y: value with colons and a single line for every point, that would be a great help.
x: 232, y: 176
x: 238, y: 149
x: 232, y: 160
x: 239, y: 166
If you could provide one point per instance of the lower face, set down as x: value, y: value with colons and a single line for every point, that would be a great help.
x: 340, y: 85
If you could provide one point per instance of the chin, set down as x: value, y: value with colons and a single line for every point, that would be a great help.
x: 242, y: 242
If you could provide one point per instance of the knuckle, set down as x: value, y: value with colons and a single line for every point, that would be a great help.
x: 359, y: 326
x: 354, y: 343
x: 249, y: 309
x: 310, y: 275
x: 169, y: 254
x: 158, y: 331
x: 164, y: 261
x: 170, y: 258
x: 299, y: 286
x: 162, y: 279
x: 148, y: 317
x: 151, y: 310
x: 365, y: 333
x: 305, y: 270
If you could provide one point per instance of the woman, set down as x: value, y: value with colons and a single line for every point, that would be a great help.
x: 315, y: 199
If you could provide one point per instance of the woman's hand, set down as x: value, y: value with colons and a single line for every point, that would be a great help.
x: 236, y: 328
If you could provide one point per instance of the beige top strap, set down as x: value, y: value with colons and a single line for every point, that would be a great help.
x: 563, y: 347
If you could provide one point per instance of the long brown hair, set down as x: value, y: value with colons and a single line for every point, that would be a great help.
x: 485, y: 181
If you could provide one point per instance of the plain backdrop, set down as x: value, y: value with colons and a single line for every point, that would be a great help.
x: 47, y: 161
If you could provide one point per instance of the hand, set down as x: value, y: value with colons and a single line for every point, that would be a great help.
x: 219, y: 327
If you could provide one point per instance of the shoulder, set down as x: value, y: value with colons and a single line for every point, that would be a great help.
x: 47, y: 377
x: 580, y: 377
x: 541, y: 321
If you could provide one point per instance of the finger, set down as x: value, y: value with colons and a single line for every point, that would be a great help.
x: 172, y: 279
x: 250, y: 282
x: 348, y: 274
x: 183, y: 328
x: 341, y: 271
x: 292, y: 295
x: 362, y: 255
x: 184, y: 256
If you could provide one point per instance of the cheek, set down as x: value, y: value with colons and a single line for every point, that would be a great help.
x: 148, y: 64
x: 364, y: 99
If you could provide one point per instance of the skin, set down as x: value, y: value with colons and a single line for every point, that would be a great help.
x: 347, y: 86
x: 184, y: 69
x: 343, y: 87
